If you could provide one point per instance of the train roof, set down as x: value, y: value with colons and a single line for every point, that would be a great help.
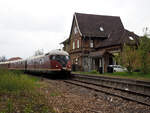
x: 57, y: 52
x: 52, y: 52
x: 19, y: 60
x: 6, y: 62
x: 34, y: 57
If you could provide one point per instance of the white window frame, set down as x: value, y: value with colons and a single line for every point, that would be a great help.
x: 73, y: 45
x: 76, y: 61
x: 101, y: 28
x: 78, y: 44
x: 91, y: 43
x: 75, y: 30
x: 131, y: 38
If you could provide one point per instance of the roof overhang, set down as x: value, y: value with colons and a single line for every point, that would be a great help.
x: 97, y: 54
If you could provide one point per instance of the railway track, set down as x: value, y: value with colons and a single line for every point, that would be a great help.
x: 123, y: 88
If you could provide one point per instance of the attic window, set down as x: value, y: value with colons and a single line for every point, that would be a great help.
x: 91, y: 44
x: 101, y: 29
x: 131, y: 38
x: 75, y: 30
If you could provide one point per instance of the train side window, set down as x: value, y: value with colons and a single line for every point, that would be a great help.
x: 67, y: 57
x: 54, y: 57
x: 28, y: 62
x: 51, y: 57
x: 40, y: 61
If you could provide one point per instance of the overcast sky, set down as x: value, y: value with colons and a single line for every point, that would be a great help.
x: 29, y: 25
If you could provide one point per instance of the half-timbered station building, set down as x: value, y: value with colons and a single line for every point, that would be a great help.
x: 95, y: 39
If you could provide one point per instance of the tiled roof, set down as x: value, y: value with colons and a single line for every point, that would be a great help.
x: 112, y: 29
x: 119, y: 38
x: 112, y: 33
x: 89, y: 24
x: 14, y: 58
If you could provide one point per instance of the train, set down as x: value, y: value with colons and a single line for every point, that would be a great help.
x: 53, y: 62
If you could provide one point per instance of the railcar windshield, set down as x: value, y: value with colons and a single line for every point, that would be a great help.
x: 62, y: 59
x: 59, y: 57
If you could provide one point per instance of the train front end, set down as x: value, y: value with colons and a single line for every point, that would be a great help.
x: 60, y: 62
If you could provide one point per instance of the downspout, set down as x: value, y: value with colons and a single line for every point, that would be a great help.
x: 82, y: 46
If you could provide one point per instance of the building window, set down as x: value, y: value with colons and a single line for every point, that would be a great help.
x: 91, y: 44
x: 73, y: 45
x: 75, y: 30
x: 78, y: 44
x: 76, y: 61
x: 131, y: 38
x: 101, y: 29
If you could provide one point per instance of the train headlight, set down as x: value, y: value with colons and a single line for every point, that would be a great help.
x: 69, y: 66
x: 56, y: 65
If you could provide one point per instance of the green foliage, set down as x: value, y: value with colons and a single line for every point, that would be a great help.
x: 18, y: 93
x: 144, y: 54
x: 134, y: 75
x: 9, y: 106
x: 28, y: 109
x: 94, y: 72
x: 15, y: 81
x: 54, y: 94
x: 128, y: 58
x: 136, y: 58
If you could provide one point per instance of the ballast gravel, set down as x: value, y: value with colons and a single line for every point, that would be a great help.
x: 68, y: 98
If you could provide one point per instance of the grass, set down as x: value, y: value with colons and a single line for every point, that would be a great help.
x: 133, y: 75
x: 20, y: 93
x: 94, y: 72
x: 16, y: 81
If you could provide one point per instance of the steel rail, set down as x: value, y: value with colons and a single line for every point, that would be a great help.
x: 98, y: 89
x: 132, y: 81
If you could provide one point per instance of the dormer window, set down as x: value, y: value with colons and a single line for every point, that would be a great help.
x: 101, y: 29
x: 91, y: 44
x: 75, y: 30
x: 131, y: 38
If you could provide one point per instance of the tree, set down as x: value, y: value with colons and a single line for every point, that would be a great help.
x: 39, y: 52
x: 3, y: 59
x: 146, y: 31
x: 144, y: 54
x: 129, y: 58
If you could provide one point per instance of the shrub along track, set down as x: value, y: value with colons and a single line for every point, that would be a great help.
x: 133, y: 90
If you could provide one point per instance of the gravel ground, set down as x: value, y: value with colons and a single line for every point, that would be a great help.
x: 67, y: 98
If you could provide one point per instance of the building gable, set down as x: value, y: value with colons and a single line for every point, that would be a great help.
x: 75, y: 30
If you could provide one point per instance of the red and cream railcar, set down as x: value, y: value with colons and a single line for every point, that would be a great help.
x: 54, y: 61
x: 38, y: 63
x: 4, y: 64
x: 17, y: 65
